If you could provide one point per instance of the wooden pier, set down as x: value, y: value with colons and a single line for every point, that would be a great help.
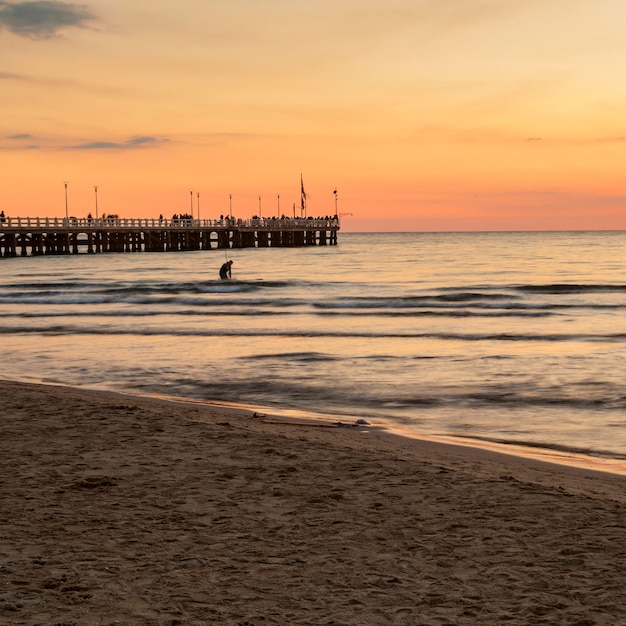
x: 45, y: 236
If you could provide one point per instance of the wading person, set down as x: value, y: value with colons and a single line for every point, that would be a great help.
x: 225, y: 270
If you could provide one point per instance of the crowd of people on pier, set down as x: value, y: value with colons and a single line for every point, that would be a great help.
x: 326, y: 218
x: 111, y: 218
x: 187, y: 219
x: 179, y: 218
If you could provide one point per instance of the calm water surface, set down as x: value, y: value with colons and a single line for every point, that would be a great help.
x: 516, y: 338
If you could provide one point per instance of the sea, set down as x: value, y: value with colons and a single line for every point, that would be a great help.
x: 508, y: 340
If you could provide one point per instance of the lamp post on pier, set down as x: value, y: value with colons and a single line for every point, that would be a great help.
x: 67, y: 215
x: 95, y: 188
x: 230, y: 205
x: 191, y: 203
x: 198, y: 205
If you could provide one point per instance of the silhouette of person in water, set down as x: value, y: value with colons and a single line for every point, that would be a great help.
x: 225, y: 270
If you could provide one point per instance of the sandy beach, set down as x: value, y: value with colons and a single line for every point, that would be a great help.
x: 126, y: 510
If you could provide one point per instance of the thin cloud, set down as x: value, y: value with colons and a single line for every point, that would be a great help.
x: 132, y: 144
x: 65, y: 83
x: 18, y: 142
x: 11, y: 76
x: 43, y: 19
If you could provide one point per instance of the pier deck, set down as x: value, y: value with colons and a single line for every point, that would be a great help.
x: 43, y: 236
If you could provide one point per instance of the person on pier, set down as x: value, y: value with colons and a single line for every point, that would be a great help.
x: 225, y: 270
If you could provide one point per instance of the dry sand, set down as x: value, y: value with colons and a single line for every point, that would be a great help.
x: 124, y: 510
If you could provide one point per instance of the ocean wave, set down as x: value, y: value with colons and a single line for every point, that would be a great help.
x: 305, y: 357
x: 567, y: 288
x: 253, y: 309
x: 578, y: 450
x: 63, y: 299
x: 14, y: 293
x: 433, y: 302
x: 140, y: 313
x: 59, y: 300
x: 228, y: 332
x: 542, y: 398
x: 373, y: 302
x: 438, y: 313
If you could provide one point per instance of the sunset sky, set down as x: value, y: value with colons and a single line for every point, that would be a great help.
x: 425, y: 115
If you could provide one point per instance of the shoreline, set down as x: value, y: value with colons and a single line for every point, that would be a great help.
x: 543, y: 465
x: 397, y: 433
x: 392, y: 434
x: 144, y: 511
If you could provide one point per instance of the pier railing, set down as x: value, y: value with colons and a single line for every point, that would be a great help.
x: 21, y: 223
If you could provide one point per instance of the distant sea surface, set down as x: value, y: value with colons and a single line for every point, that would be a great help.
x: 517, y: 338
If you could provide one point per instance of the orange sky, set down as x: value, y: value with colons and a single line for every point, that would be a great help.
x: 424, y: 114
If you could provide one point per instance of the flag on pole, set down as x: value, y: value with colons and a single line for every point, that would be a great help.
x: 302, y: 198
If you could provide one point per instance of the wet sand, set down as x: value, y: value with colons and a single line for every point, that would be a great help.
x: 126, y: 510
